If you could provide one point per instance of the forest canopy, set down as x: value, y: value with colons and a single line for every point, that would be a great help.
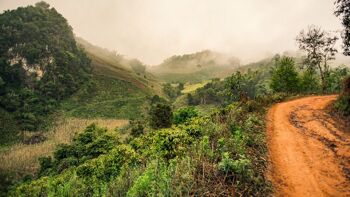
x: 40, y: 63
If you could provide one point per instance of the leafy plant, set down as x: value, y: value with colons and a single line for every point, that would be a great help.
x: 284, y: 77
x: 183, y: 114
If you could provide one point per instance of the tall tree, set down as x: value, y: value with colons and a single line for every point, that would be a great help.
x: 343, y: 11
x: 284, y: 76
x: 320, y: 48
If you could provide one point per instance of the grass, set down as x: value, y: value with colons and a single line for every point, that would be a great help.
x: 21, y: 159
x: 110, y: 98
x: 8, y: 128
x: 193, y: 87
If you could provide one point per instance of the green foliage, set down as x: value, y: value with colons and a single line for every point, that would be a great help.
x: 344, y: 12
x: 94, y: 141
x: 342, y: 105
x: 309, y: 82
x: 284, y: 77
x: 107, y: 98
x: 160, y: 115
x: 8, y: 128
x: 225, y: 147
x: 164, y: 179
x: 107, y: 166
x: 320, y: 48
x: 212, y: 93
x: 183, y: 114
x: 170, y: 143
x: 335, y: 79
x: 244, y: 86
x: 196, y: 67
x: 240, y: 166
x: 172, y: 91
x: 37, y: 71
x: 137, y: 127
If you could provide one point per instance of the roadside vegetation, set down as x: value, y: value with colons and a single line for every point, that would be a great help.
x: 117, y: 131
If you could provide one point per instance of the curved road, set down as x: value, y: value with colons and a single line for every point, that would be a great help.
x: 309, y: 154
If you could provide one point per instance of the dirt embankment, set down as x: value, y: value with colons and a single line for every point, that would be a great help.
x: 309, y: 153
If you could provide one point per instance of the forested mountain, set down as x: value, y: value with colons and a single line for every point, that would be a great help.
x: 195, y: 67
x: 40, y: 63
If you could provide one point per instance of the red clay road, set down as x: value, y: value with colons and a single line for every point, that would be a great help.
x: 309, y: 154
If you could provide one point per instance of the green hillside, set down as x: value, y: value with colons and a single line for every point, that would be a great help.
x: 195, y: 67
x: 121, y: 87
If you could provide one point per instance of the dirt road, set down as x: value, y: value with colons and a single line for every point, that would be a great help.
x: 310, y: 155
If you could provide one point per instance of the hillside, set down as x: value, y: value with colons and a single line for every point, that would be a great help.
x: 40, y: 65
x: 120, y: 88
x: 195, y: 67
x: 110, y: 64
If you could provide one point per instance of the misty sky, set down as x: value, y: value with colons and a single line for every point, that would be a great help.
x: 152, y: 30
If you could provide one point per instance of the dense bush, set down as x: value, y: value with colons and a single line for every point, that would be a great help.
x: 173, y: 91
x: 284, y: 76
x: 343, y: 103
x: 237, y: 87
x: 242, y: 87
x: 93, y: 142
x: 335, y: 79
x: 310, y: 82
x: 137, y: 127
x: 160, y: 115
x: 183, y: 114
x: 200, y: 155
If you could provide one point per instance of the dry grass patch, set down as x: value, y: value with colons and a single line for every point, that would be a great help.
x: 22, y: 159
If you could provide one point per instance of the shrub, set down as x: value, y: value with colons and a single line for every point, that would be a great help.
x: 240, y: 167
x: 343, y: 103
x: 106, y: 166
x: 137, y: 127
x: 169, y: 143
x: 94, y: 141
x: 310, y: 82
x: 160, y: 115
x: 242, y: 87
x: 184, y: 114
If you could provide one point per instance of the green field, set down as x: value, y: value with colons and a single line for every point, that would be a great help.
x: 110, y: 98
x: 192, y: 87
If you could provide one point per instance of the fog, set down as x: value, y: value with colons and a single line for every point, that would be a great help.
x: 152, y: 30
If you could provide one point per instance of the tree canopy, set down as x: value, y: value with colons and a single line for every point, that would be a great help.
x: 40, y: 63
x: 343, y: 11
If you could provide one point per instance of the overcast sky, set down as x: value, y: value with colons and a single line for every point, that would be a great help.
x: 152, y: 30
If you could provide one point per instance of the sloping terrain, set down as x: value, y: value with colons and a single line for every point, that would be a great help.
x: 195, y: 67
x: 121, y: 87
x: 309, y: 151
x: 109, y: 64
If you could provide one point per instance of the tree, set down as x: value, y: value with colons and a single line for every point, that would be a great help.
x: 160, y: 115
x: 184, y: 114
x: 320, y: 49
x: 37, y: 71
x: 245, y: 86
x: 137, y: 127
x: 42, y: 4
x: 343, y: 11
x: 309, y: 82
x: 284, y: 76
x: 171, y: 91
